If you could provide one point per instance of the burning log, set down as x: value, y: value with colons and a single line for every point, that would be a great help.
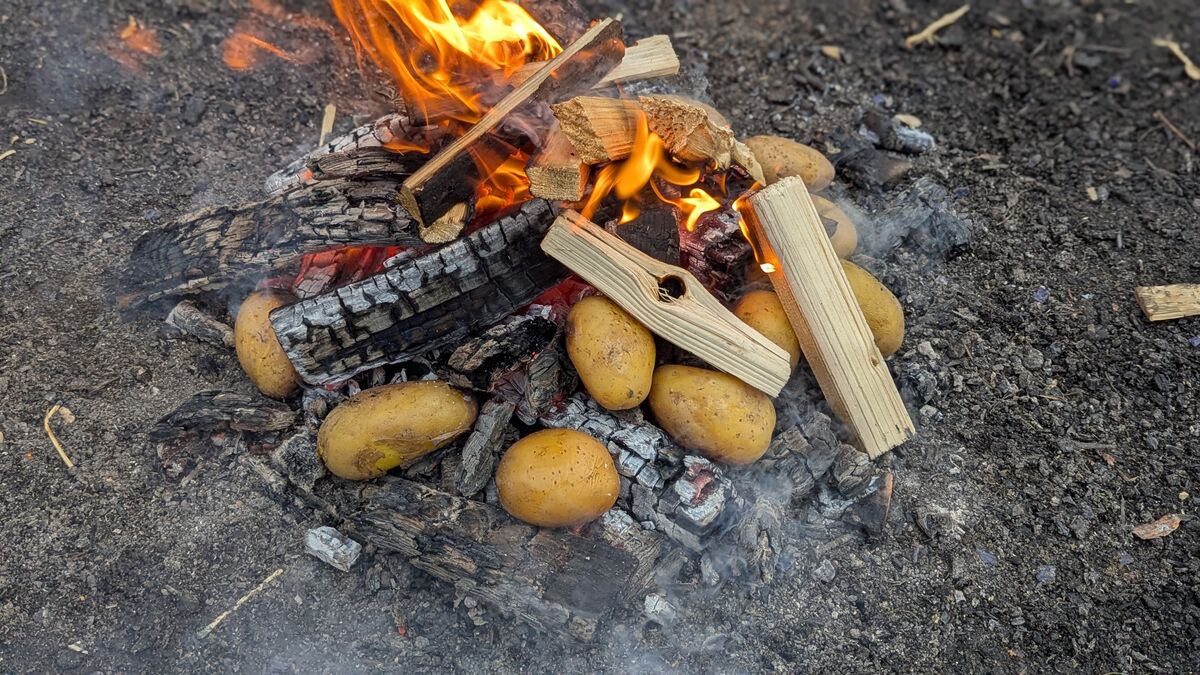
x: 211, y: 249
x: 669, y: 301
x: 718, y: 255
x: 555, y: 581
x: 213, y: 411
x: 834, y: 336
x: 424, y: 303
x: 601, y: 129
x: 557, y: 172
x: 438, y: 184
x: 391, y: 145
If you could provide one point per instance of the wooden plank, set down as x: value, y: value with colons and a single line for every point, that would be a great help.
x: 441, y: 183
x: 669, y: 301
x: 1162, y: 303
x: 834, y: 336
x: 647, y: 59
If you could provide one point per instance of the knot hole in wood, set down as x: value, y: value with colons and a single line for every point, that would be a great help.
x: 671, y: 288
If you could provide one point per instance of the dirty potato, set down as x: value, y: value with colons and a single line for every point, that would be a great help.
x: 845, y: 237
x: 258, y: 350
x: 715, y: 414
x: 883, y: 311
x: 393, y: 425
x: 783, y: 157
x: 613, y: 353
x: 762, y: 311
x: 557, y: 478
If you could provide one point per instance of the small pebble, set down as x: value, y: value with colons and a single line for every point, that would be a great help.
x: 825, y: 571
x: 1046, y: 574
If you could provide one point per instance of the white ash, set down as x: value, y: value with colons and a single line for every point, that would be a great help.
x: 659, y: 609
x: 332, y: 547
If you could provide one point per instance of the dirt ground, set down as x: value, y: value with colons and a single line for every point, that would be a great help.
x: 1053, y: 417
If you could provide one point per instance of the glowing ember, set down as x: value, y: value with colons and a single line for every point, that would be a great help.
x: 438, y: 58
x: 243, y: 50
x: 140, y: 39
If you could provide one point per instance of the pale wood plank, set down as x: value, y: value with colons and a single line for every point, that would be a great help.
x: 1162, y: 303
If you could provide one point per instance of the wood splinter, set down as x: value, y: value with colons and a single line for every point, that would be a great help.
x: 1163, y: 303
x: 833, y: 334
x: 941, y: 22
x: 669, y: 301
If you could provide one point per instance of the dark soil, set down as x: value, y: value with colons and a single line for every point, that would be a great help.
x: 1053, y: 417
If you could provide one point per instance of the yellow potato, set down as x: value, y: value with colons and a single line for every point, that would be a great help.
x: 762, y: 311
x: 557, y: 478
x: 258, y: 350
x: 783, y: 157
x: 613, y: 353
x: 385, y: 427
x: 845, y: 237
x: 715, y: 414
x: 883, y: 311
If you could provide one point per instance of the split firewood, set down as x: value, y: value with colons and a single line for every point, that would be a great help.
x: 669, y: 301
x: 553, y: 580
x: 602, y: 129
x: 1162, y: 303
x: 212, y: 411
x: 688, y: 131
x: 439, y: 184
x: 211, y: 249
x: 447, y: 228
x: 424, y: 302
x: 646, y: 59
x: 834, y: 335
x: 557, y: 172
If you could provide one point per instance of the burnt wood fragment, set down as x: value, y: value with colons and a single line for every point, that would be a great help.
x: 214, y: 411
x: 423, y: 303
x: 216, y: 247
x: 480, y: 362
x: 553, y: 580
x: 491, y: 432
x: 718, y: 254
x: 188, y: 319
x: 654, y: 232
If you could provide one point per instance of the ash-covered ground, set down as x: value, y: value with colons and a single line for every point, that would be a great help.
x: 1053, y: 417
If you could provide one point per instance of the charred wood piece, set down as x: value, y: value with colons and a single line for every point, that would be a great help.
x: 481, y: 362
x: 425, y: 303
x: 188, y: 319
x: 490, y: 435
x: 718, y: 255
x: 211, y: 249
x: 541, y: 384
x: 654, y: 232
x: 552, y: 580
x: 214, y: 411
x: 889, y: 133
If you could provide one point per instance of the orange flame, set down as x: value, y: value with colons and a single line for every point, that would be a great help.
x: 628, y: 178
x: 140, y: 39
x: 438, y: 58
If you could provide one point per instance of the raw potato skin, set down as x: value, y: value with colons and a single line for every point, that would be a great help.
x: 612, y: 351
x: 845, y: 238
x: 258, y: 350
x: 883, y: 311
x: 762, y: 311
x: 557, y: 478
x: 715, y: 414
x: 393, y: 425
x: 783, y: 157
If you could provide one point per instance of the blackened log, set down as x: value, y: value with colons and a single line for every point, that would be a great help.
x: 214, y: 411
x: 424, y: 303
x: 480, y: 362
x: 211, y: 249
x: 553, y: 580
x: 483, y: 446
x: 718, y: 254
x: 654, y: 232
x: 391, y: 145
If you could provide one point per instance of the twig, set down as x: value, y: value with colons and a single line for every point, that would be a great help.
x: 54, y: 439
x: 1192, y: 70
x: 207, y: 630
x: 7, y: 153
x: 3, y: 81
x: 942, y: 22
x: 1158, y: 115
x: 327, y: 123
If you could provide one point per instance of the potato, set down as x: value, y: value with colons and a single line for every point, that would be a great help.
x: 762, y: 311
x: 783, y: 157
x: 613, y: 353
x: 258, y: 350
x: 715, y: 414
x: 845, y: 237
x: 393, y: 425
x: 557, y: 478
x: 884, y: 314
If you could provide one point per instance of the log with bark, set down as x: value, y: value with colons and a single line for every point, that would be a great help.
x: 424, y: 303
x: 214, y: 248
x: 553, y: 580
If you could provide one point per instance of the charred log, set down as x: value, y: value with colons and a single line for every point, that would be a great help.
x: 718, y: 254
x: 213, y: 248
x: 551, y: 579
x: 424, y: 303
x: 482, y: 361
x: 214, y: 411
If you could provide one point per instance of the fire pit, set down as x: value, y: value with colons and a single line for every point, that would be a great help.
x: 479, y: 291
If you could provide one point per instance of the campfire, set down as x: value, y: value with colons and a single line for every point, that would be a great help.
x: 544, y: 316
